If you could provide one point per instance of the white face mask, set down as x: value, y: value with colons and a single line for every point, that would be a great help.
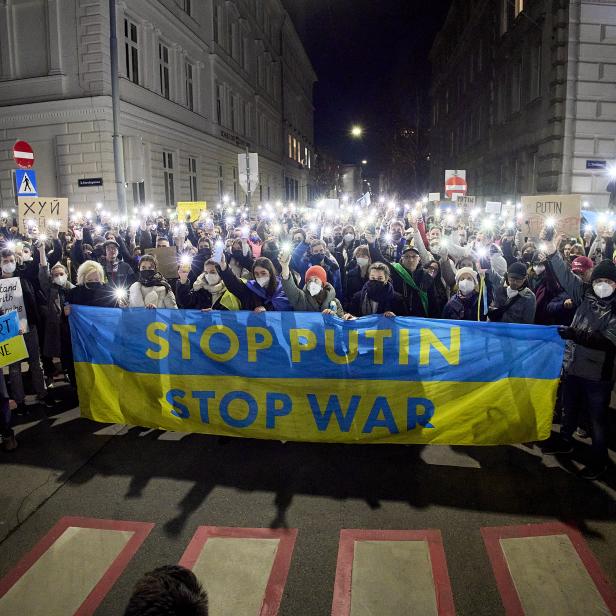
x: 348, y: 237
x: 362, y: 261
x: 602, y: 289
x: 314, y: 288
x: 9, y: 268
x: 60, y: 280
x: 212, y: 278
x: 539, y: 269
x: 466, y: 286
x: 262, y: 280
x: 511, y: 292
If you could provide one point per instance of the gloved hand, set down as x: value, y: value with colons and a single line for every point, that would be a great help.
x: 566, y: 333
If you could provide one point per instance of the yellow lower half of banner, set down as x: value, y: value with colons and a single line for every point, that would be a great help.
x: 12, y: 351
x: 321, y: 410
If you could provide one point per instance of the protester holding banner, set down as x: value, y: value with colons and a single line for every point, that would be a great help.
x: 264, y: 292
x: 378, y: 295
x: 464, y: 305
x: 589, y: 367
x: 91, y: 289
x: 10, y: 271
x: 207, y: 292
x: 151, y: 290
x: 514, y: 302
x: 316, y: 296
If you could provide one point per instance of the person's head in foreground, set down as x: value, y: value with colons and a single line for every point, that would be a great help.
x: 171, y: 590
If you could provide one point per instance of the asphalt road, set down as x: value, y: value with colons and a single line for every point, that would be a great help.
x: 68, y: 466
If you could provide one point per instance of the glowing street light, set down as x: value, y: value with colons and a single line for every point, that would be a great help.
x: 357, y: 131
x: 364, y: 162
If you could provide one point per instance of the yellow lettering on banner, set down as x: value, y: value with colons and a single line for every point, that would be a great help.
x: 297, y: 346
x: 254, y: 344
x: 234, y: 343
x: 403, y: 354
x: 429, y: 339
x: 351, y: 356
x: 185, y: 331
x: 378, y: 335
x: 163, y: 343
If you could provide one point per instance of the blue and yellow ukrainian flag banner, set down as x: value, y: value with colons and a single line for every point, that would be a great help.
x: 307, y: 377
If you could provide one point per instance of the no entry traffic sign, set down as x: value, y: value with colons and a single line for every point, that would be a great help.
x: 23, y: 155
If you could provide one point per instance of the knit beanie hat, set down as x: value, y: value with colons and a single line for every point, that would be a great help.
x: 579, y: 265
x: 466, y: 270
x: 318, y: 271
x: 605, y: 269
x: 517, y: 270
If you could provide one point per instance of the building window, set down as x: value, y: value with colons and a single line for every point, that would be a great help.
x: 188, y: 75
x: 216, y: 22
x: 168, y: 179
x: 186, y: 6
x: 163, y: 69
x: 235, y: 184
x: 139, y: 193
x: 535, y: 72
x: 221, y: 182
x: 519, y: 7
x: 232, y: 106
x: 131, y: 49
x: 230, y: 29
x: 242, y: 50
x: 290, y: 146
x: 247, y: 129
x: 516, y: 87
x: 220, y: 93
x: 192, y: 178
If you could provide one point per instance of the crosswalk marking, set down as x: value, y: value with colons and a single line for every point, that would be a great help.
x: 391, y: 573
x: 243, y: 570
x: 545, y: 569
x: 72, y: 568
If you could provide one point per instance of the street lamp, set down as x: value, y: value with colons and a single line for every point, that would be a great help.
x: 364, y: 162
x: 357, y: 131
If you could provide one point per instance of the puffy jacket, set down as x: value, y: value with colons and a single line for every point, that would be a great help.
x: 302, y: 301
x: 463, y: 308
x: 593, y: 353
x: 519, y: 311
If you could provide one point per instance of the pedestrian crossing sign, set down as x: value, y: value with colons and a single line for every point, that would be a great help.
x: 25, y: 183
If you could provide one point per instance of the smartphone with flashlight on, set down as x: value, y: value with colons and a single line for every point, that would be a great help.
x: 219, y: 248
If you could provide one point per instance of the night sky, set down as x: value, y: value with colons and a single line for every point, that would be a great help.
x: 371, y: 58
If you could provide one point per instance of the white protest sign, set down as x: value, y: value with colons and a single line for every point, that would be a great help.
x: 493, y: 207
x: 508, y: 211
x: 466, y: 203
x: 42, y: 213
x: 12, y: 300
x: 564, y: 210
x: 432, y: 197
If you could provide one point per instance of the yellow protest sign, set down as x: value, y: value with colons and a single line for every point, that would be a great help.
x: 190, y: 208
x: 12, y: 345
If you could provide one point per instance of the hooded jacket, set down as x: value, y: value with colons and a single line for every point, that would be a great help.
x: 519, y: 311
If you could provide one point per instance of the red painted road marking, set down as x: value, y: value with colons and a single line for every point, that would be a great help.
x: 140, y: 531
x: 492, y: 537
x: 280, y: 568
x: 341, y: 605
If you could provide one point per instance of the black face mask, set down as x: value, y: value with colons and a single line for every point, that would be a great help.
x: 527, y: 256
x: 93, y: 285
x: 376, y: 289
x: 337, y: 238
x: 316, y: 259
x: 237, y: 254
x: 206, y: 252
x: 147, y: 275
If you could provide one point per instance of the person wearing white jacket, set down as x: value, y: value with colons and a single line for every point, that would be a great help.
x: 151, y: 290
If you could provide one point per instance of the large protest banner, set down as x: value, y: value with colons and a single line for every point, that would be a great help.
x: 309, y: 377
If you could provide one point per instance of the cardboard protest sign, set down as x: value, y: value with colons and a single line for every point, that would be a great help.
x: 42, y: 213
x: 493, y: 207
x: 192, y: 208
x: 12, y: 344
x: 12, y: 300
x: 564, y: 210
x: 508, y: 211
x: 167, y: 260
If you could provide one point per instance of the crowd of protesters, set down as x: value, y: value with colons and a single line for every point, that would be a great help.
x: 389, y: 260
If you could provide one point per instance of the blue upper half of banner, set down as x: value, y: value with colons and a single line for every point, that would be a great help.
x: 304, y: 345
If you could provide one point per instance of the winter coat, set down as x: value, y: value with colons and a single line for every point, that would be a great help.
x: 252, y: 295
x: 102, y: 295
x: 521, y: 310
x: 302, y: 301
x: 556, y: 311
x: 56, y: 333
x: 463, y: 307
x: 140, y: 296
x: 123, y: 277
x: 353, y: 282
x: 360, y: 305
x: 593, y: 353
x: 300, y: 262
x: 199, y: 297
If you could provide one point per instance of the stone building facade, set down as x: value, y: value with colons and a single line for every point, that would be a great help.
x: 200, y: 81
x: 524, y: 94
